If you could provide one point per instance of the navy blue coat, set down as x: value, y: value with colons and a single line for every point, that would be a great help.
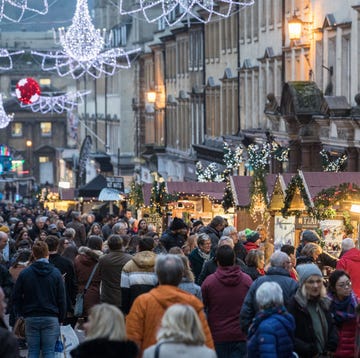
x: 272, y: 337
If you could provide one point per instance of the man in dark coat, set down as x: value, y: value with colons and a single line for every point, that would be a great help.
x: 79, y: 227
x: 110, y: 267
x: 279, y: 272
x: 214, y: 230
x: 175, y: 235
x: 40, y: 224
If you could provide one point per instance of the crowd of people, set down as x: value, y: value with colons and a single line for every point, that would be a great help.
x: 193, y: 289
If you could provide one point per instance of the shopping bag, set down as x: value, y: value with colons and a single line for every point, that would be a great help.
x: 59, y: 348
x: 69, y: 338
x: 79, y: 305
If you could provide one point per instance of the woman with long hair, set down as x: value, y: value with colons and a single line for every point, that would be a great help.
x: 105, y: 335
x: 255, y: 261
x: 180, y: 335
x: 343, y: 309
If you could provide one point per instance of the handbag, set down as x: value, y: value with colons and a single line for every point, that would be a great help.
x: 79, y: 300
x: 19, y: 328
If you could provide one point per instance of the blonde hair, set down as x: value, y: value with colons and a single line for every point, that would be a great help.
x: 181, y: 324
x: 106, y: 321
x: 310, y: 249
x: 305, y: 294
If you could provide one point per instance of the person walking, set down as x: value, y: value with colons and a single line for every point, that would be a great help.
x: 39, y: 296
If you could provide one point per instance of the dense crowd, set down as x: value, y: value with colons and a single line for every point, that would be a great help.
x: 195, y: 289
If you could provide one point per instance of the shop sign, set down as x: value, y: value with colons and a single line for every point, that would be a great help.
x: 306, y: 222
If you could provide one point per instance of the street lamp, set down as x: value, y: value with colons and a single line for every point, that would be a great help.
x: 294, y: 26
x: 29, y: 146
x: 151, y: 96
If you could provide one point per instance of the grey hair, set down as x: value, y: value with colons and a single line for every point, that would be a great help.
x: 181, y: 323
x: 278, y: 259
x: 217, y: 220
x: 269, y: 294
x: 226, y: 240
x: 347, y: 244
x: 169, y: 269
x: 119, y: 226
x: 229, y: 230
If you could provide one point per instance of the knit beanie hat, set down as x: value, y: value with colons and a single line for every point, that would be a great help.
x: 247, y: 231
x: 310, y: 236
x: 305, y: 271
x: 253, y: 236
x: 177, y: 224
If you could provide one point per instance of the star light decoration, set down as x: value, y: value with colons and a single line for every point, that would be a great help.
x: 155, y: 10
x: 6, y: 62
x: 7, y: 7
x: 83, y: 49
x: 5, y: 119
x: 59, y: 104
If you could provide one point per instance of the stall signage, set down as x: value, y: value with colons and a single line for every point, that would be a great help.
x: 306, y: 222
x: 115, y: 183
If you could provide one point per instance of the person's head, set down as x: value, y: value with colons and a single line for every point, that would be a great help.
x: 146, y: 244
x: 95, y: 242
x: 347, y: 244
x: 29, y: 222
x: 3, y: 304
x: 23, y: 235
x: 120, y: 228
x: 340, y: 284
x: 261, y: 229
x: 255, y: 258
x: 290, y: 251
x: 311, y: 281
x: 76, y: 215
x: 128, y: 214
x: 40, y: 250
x: 218, y: 223
x: 70, y: 252
x: 197, y: 225
x: 309, y: 236
x: 176, y: 250
x: 40, y: 221
x: 231, y: 232
x: 95, y: 229
x: 204, y: 242
x: 105, y: 321
x: 254, y: 237
x: 181, y: 324
x: 225, y: 256
x: 69, y: 233
x: 178, y: 226
x: 3, y: 239
x: 268, y: 295
x: 52, y: 242
x: 42, y: 235
x: 142, y: 224
x: 280, y: 259
x: 169, y: 269
x: 115, y: 242
x: 187, y: 270
x: 226, y: 240
x: 311, y: 250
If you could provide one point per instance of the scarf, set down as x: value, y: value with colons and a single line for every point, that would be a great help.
x: 319, y: 323
x: 263, y: 314
x: 344, y: 310
x: 204, y: 255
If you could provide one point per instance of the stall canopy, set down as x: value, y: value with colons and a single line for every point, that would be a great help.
x: 93, y: 188
x: 109, y: 194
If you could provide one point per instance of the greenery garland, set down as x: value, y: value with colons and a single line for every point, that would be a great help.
x: 160, y: 198
x: 136, y: 197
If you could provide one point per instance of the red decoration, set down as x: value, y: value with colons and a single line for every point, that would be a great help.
x: 27, y: 90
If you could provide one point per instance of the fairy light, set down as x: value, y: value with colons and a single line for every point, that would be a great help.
x: 20, y: 6
x: 5, y: 56
x: 154, y: 10
x: 83, y: 49
x: 5, y: 119
x: 58, y: 104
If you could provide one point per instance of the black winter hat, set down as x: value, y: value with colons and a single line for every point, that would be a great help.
x: 177, y: 224
x: 253, y: 236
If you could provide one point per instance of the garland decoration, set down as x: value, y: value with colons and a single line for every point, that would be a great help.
x: 160, y: 198
x: 337, y: 165
x: 136, y: 197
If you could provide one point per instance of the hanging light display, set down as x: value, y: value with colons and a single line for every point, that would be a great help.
x: 83, y: 49
x: 27, y: 90
x: 5, y: 56
x: 155, y: 10
x: 5, y: 119
x: 59, y: 104
x: 14, y: 10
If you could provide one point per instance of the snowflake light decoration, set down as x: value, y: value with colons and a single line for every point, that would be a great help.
x: 83, y: 49
x: 59, y: 104
x: 329, y: 165
x: 5, y: 56
x: 7, y: 7
x: 154, y: 10
x: 5, y: 119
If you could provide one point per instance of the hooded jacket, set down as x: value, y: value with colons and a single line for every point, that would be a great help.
x: 144, y: 318
x: 223, y: 295
x: 137, y: 277
x: 39, y: 291
x: 350, y: 262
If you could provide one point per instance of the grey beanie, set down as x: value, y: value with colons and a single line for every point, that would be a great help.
x: 310, y: 236
x: 305, y: 271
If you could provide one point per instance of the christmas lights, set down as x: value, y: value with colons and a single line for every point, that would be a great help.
x: 154, y: 10
x: 17, y: 9
x: 5, y: 56
x: 27, y: 90
x: 58, y: 104
x: 5, y: 119
x: 83, y: 49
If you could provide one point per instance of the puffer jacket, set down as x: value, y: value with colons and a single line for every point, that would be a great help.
x: 271, y: 336
x: 137, y: 277
x: 144, y: 318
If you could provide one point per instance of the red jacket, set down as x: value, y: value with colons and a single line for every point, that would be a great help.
x: 346, y: 345
x: 223, y: 295
x: 350, y: 262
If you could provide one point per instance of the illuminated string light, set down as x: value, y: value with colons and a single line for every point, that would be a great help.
x: 7, y: 7
x: 155, y: 10
x: 83, y: 49
x: 58, y: 104
x: 5, y: 119
x: 5, y: 56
